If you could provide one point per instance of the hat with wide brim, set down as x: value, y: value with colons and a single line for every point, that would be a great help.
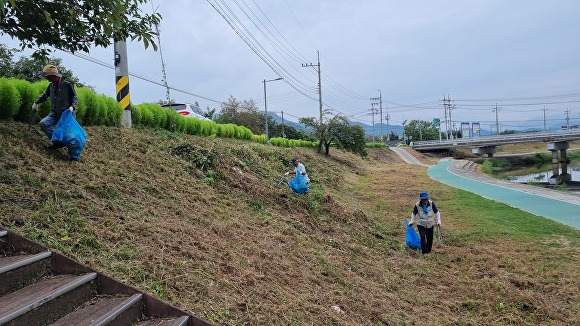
x: 50, y: 70
x: 423, y: 195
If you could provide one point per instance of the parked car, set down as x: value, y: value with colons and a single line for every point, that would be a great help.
x: 186, y: 110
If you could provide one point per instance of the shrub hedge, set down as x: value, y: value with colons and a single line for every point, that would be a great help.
x: 17, y: 96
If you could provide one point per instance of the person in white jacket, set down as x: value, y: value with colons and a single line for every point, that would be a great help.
x: 425, y: 211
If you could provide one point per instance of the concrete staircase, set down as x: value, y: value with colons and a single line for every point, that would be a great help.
x: 40, y: 287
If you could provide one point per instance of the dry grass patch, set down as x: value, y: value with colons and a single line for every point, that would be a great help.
x: 224, y: 242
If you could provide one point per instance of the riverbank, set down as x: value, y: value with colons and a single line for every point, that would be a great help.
x: 555, y: 205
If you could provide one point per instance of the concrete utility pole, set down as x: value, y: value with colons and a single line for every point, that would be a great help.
x: 283, y: 134
x: 446, y: 125
x: 544, y: 118
x: 122, y: 81
x: 376, y: 101
x: 381, y: 106
x: 451, y: 108
x: 319, y: 82
x: 388, y: 128
x: 373, y: 112
x: 496, y: 110
x: 266, y: 107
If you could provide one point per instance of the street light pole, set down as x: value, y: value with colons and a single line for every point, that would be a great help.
x: 266, y: 106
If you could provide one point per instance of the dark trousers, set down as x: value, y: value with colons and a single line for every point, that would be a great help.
x: 426, y: 238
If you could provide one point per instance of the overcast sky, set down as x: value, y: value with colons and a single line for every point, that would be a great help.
x: 478, y: 52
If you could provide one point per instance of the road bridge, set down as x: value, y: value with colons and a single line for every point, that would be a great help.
x: 557, y: 141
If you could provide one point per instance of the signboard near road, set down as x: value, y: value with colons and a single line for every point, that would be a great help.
x: 465, y: 130
x: 475, y: 129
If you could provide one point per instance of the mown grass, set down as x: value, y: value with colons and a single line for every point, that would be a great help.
x: 242, y: 250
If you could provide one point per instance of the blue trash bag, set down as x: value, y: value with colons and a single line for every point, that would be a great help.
x: 298, y: 184
x: 69, y: 132
x: 411, y: 237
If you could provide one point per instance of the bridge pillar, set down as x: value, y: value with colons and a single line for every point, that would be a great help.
x: 558, y: 176
x: 489, y: 150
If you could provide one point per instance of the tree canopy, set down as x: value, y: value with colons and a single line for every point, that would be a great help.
x: 244, y: 113
x: 337, y: 131
x: 29, y: 68
x: 421, y: 130
x: 76, y: 25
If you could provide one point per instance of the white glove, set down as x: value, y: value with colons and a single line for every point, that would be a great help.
x: 286, y: 174
x: 35, y: 106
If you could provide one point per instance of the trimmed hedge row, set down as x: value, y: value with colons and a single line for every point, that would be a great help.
x: 17, y: 97
x: 375, y: 145
x: 284, y: 142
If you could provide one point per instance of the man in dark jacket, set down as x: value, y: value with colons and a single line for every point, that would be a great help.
x: 62, y: 97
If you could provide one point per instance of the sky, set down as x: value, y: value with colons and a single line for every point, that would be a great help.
x: 521, y: 55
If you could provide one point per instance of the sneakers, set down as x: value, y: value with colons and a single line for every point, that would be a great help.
x: 56, y: 145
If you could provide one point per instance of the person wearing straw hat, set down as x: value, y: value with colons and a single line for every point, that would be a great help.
x: 62, y: 97
x: 425, y: 211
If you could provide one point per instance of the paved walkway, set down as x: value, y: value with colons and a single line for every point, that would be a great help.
x: 555, y: 205
x: 552, y: 204
x: 406, y: 156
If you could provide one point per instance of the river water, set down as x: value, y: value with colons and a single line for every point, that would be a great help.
x: 540, y: 174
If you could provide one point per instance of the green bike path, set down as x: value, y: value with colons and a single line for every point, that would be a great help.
x: 558, y: 210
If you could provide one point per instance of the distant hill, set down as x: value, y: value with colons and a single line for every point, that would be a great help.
x: 398, y: 129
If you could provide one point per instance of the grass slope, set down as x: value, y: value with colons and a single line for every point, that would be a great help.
x: 201, y: 223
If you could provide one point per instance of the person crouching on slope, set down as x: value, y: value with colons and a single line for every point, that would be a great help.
x: 62, y: 97
x: 425, y: 210
x: 298, y: 168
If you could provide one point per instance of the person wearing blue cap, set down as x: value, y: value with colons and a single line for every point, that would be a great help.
x: 299, y: 168
x: 425, y: 211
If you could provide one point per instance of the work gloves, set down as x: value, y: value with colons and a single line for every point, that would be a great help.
x: 286, y: 174
x: 34, y: 106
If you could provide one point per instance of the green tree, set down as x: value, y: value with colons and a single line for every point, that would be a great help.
x: 6, y: 63
x: 337, y: 131
x: 393, y: 136
x: 243, y: 113
x: 76, y: 25
x: 421, y: 130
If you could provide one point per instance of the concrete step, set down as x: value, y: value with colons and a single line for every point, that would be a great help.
x: 181, y: 321
x: 21, y: 270
x: 46, y: 301
x: 105, y: 310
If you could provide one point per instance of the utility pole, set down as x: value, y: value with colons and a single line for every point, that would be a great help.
x: 496, y: 110
x: 122, y: 81
x: 375, y: 101
x: 319, y: 82
x: 283, y: 134
x: 544, y: 118
x: 373, y: 112
x: 388, y: 129
x: 164, y: 79
x: 266, y: 107
x: 445, y: 108
x: 451, y: 107
x: 567, y: 119
x: 381, y: 106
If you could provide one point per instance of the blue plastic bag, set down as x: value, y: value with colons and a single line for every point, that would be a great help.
x: 298, y: 184
x: 411, y: 237
x: 69, y: 132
